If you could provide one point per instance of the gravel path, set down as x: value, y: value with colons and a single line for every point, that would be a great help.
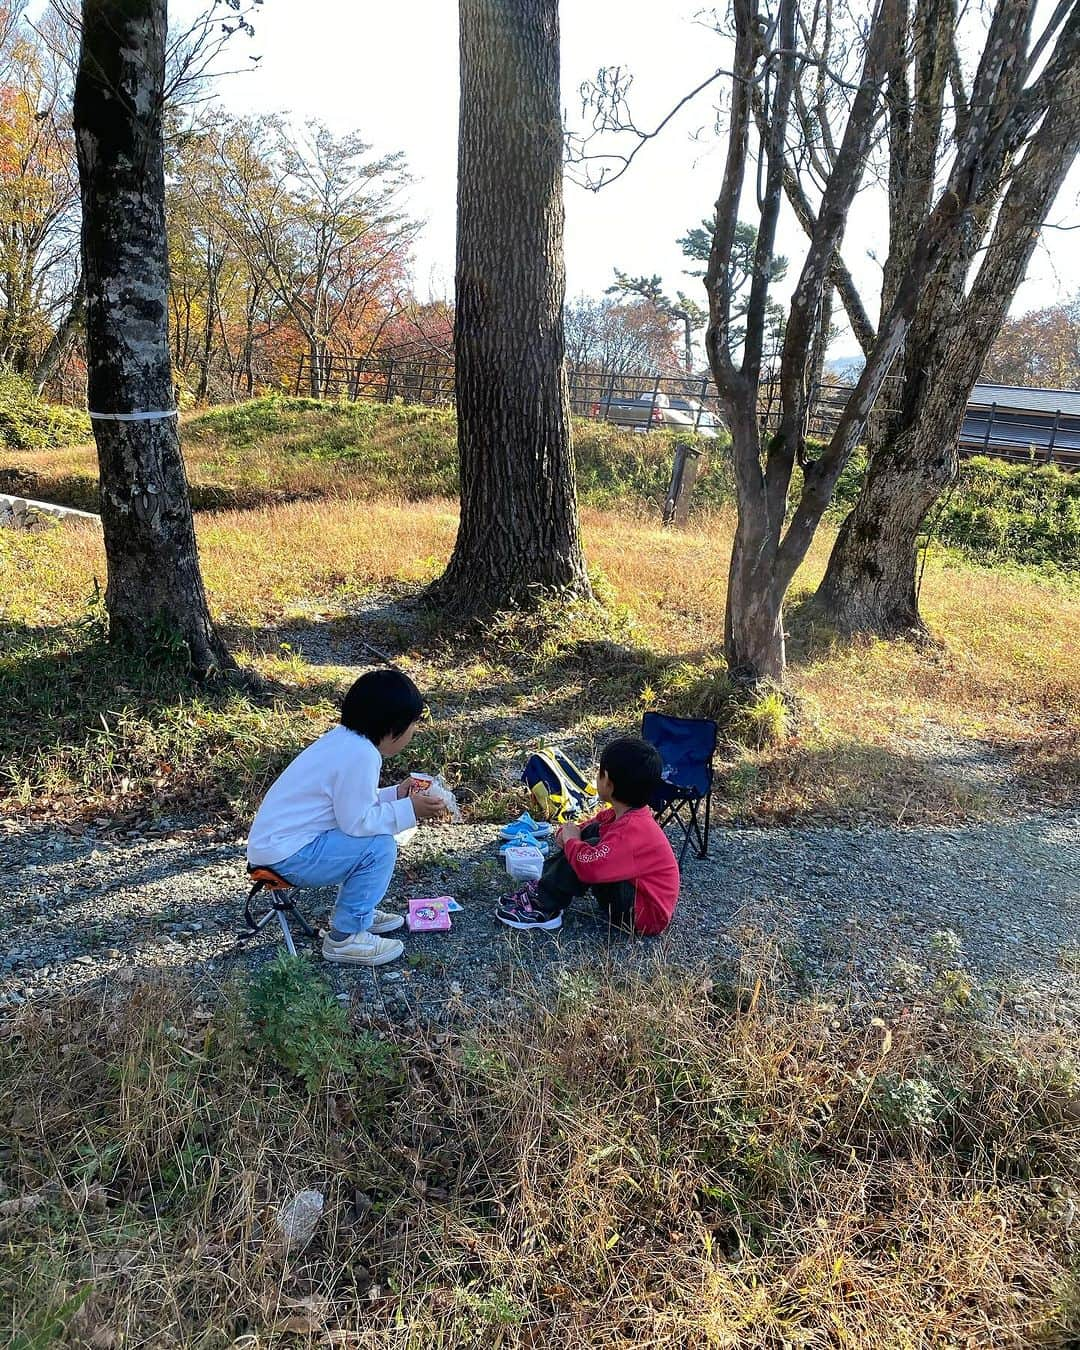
x: 843, y: 903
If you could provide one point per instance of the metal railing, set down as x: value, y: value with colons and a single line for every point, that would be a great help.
x: 379, y: 379
x: 648, y: 402
x: 1021, y: 435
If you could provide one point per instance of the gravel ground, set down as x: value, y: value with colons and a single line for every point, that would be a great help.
x: 844, y: 903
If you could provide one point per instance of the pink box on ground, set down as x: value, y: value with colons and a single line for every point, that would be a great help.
x: 429, y: 915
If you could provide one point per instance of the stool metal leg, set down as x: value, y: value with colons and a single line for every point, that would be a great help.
x: 285, y: 929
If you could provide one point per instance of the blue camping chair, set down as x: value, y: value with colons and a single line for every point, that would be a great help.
x: 687, y: 746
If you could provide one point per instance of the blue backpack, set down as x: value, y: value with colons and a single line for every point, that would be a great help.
x: 559, y: 788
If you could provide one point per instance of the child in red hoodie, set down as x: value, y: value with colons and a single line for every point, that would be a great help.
x: 621, y: 855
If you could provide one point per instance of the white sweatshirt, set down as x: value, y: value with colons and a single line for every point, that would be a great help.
x: 332, y: 785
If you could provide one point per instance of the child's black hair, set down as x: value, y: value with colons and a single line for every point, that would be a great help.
x: 634, y: 767
x: 381, y: 703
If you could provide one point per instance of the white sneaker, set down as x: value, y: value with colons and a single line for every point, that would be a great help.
x: 384, y: 922
x: 362, y: 949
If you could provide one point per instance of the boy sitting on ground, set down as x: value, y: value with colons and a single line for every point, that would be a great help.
x: 326, y: 822
x: 622, y: 855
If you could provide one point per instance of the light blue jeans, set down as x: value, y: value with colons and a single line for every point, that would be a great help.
x: 360, y: 868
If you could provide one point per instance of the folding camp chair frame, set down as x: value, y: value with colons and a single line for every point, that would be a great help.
x: 691, y: 826
x: 694, y: 829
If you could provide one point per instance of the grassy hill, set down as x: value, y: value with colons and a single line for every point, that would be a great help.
x: 276, y: 450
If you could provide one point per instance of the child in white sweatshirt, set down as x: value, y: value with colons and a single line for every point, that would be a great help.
x: 325, y: 821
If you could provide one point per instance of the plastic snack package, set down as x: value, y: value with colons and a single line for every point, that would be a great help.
x: 524, y: 862
x: 435, y: 786
x: 429, y: 914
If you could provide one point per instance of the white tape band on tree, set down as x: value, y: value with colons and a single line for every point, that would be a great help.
x: 133, y: 417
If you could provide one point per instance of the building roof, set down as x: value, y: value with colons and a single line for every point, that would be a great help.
x: 1018, y: 399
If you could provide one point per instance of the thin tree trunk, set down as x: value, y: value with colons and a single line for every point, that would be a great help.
x: 518, y: 537
x: 213, y: 272
x: 249, y: 342
x: 870, y: 583
x: 73, y: 322
x: 155, y: 589
x: 314, y: 368
x: 754, y: 625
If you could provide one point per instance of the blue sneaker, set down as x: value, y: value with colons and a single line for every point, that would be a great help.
x: 538, y: 829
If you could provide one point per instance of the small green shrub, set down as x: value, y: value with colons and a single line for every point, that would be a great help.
x: 907, y: 1105
x: 297, y: 1020
x: 754, y: 716
x: 701, y: 688
x: 26, y: 423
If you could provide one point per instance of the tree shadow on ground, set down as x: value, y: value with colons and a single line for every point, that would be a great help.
x: 80, y: 492
x: 90, y: 725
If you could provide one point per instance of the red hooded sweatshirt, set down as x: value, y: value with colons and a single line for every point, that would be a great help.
x: 633, y: 848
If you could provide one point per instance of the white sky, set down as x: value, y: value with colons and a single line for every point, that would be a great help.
x: 389, y: 70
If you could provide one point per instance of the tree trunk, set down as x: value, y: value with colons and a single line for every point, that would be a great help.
x: 754, y: 627
x: 61, y: 341
x: 155, y: 589
x: 213, y: 272
x: 314, y: 368
x: 870, y: 583
x: 518, y: 539
x: 249, y: 341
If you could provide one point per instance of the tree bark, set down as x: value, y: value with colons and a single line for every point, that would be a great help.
x: 518, y: 540
x: 155, y: 589
x: 870, y: 584
x: 754, y: 628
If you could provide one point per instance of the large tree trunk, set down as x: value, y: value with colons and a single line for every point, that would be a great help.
x: 870, y: 584
x: 518, y: 539
x: 154, y: 584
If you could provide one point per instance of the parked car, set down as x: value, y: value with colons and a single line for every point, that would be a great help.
x: 668, y: 412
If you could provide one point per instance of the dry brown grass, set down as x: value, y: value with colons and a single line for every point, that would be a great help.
x: 1005, y: 672
x: 662, y: 1162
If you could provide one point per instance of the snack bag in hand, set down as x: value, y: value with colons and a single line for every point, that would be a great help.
x: 436, y: 787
